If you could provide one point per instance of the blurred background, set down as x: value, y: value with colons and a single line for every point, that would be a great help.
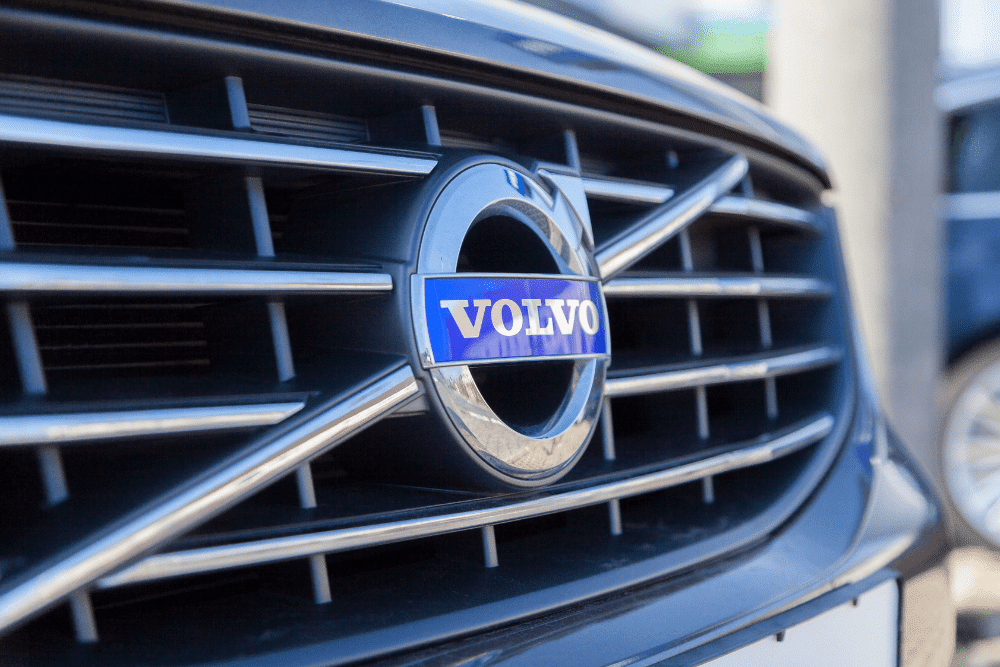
x: 903, y: 97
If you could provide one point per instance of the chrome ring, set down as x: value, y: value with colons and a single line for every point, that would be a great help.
x: 523, y: 457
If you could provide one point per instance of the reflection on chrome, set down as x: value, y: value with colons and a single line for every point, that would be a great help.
x: 636, y: 192
x: 297, y: 546
x: 711, y: 286
x: 19, y: 130
x: 545, y: 452
x: 668, y: 220
x: 772, y: 212
x: 27, y: 278
x: 759, y: 369
x: 260, y: 463
x: 86, y: 426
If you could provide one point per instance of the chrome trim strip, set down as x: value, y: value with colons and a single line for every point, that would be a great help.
x: 739, y: 371
x: 207, y: 559
x: 636, y: 192
x: 767, y: 211
x: 526, y: 276
x: 583, y: 356
x: 256, y: 466
x: 128, y: 141
x: 84, y: 426
x: 42, y: 278
x: 713, y: 286
x: 667, y: 220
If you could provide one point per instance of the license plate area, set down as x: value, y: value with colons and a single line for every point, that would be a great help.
x: 861, y: 633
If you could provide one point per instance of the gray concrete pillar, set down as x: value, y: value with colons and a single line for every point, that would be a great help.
x: 857, y: 77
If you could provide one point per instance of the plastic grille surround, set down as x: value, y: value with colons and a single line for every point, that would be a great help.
x: 231, y: 371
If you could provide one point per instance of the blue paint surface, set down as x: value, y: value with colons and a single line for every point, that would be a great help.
x: 973, y: 282
x: 509, y: 298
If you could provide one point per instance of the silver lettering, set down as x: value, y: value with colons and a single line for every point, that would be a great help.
x: 564, y: 322
x: 588, y: 317
x: 457, y: 309
x: 516, y: 318
x: 533, y: 328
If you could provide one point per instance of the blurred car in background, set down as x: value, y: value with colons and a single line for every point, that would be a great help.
x: 970, y: 456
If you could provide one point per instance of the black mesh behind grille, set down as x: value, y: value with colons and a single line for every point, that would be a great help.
x: 695, y: 374
x: 62, y: 99
x: 306, y: 125
x: 69, y: 203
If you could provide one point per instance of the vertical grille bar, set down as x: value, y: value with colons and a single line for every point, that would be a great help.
x: 694, y: 329
x: 83, y: 617
x: 608, y: 431
x: 431, y: 130
x: 50, y: 465
x: 29, y: 363
x: 239, y: 112
x: 572, y: 151
x: 615, y: 516
x: 317, y: 562
x: 489, y: 546
x: 764, y: 319
x: 265, y: 248
x: 53, y: 474
x: 264, y: 243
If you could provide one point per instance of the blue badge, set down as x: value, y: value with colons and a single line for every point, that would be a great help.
x: 483, y: 319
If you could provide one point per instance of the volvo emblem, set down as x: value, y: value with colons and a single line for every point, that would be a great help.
x: 506, y: 280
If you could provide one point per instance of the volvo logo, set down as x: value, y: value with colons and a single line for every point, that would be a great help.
x: 512, y: 318
x: 532, y: 316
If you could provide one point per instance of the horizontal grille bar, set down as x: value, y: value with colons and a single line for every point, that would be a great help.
x: 767, y: 211
x: 125, y: 141
x: 622, y: 190
x: 737, y: 371
x: 297, y: 546
x: 669, y: 219
x: 31, y: 278
x: 689, y: 285
x: 85, y: 426
x: 260, y: 463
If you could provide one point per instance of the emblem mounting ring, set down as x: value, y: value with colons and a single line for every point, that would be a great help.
x: 520, y: 456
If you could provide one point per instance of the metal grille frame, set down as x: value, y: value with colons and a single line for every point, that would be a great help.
x: 281, y: 430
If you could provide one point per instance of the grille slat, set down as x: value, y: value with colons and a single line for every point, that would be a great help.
x: 614, y: 189
x: 766, y: 211
x: 52, y: 428
x: 130, y: 142
x: 24, y: 277
x: 745, y: 370
x: 714, y: 286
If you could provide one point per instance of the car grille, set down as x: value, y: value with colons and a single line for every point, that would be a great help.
x: 199, y: 355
